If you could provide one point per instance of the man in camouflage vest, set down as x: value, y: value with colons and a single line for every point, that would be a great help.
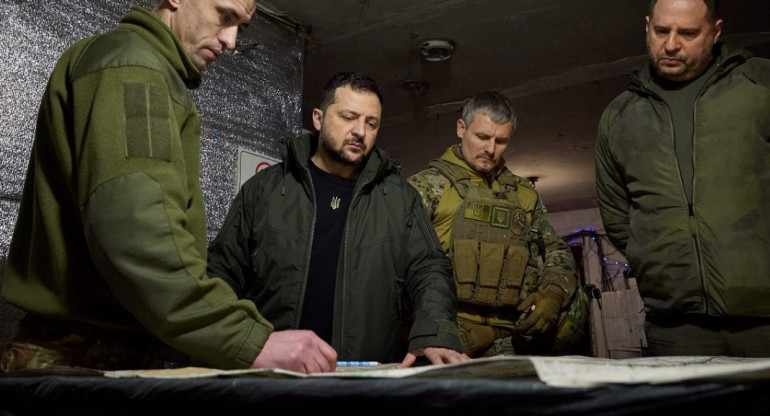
x: 516, y: 279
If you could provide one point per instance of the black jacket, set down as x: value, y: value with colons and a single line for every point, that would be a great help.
x: 390, y: 257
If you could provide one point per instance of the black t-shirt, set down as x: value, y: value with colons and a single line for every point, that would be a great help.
x: 332, y: 200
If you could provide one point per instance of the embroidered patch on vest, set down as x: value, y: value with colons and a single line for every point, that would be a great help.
x: 148, y: 121
x: 476, y: 211
x: 519, y: 223
x: 501, y: 217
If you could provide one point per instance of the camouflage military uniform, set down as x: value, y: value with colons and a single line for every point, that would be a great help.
x: 503, y: 249
x: 40, y: 343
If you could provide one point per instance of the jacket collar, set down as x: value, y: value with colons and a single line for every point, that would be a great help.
x: 296, y: 152
x: 726, y: 57
x: 154, y: 31
x: 454, y: 155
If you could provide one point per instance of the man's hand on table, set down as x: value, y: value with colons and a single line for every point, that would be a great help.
x: 297, y: 350
x: 436, y: 355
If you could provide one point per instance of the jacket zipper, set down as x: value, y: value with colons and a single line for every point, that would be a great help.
x: 309, y: 250
x: 339, y: 307
x: 692, y: 225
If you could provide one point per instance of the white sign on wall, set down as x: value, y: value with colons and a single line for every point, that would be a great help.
x: 250, y: 163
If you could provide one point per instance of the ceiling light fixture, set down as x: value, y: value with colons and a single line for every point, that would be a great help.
x: 437, y: 50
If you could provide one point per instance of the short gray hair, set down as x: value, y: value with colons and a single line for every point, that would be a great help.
x: 492, y: 103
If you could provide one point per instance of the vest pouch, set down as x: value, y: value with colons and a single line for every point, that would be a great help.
x: 490, y: 269
x: 491, y: 264
x: 475, y: 338
x: 516, y: 260
x: 465, y: 260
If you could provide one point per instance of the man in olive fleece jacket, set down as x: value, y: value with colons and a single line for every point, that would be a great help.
x: 109, y: 252
x: 682, y: 163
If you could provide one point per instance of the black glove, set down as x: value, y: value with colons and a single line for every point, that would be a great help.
x: 543, y: 307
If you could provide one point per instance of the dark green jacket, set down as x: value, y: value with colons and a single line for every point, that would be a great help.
x: 112, y: 228
x: 388, y: 248
x: 717, y: 260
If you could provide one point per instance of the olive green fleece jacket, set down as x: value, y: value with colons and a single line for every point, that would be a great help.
x: 390, y: 257
x: 715, y: 260
x: 111, y: 229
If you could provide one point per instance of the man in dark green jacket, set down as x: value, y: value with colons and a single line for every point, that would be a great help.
x: 109, y: 252
x: 682, y: 163
x: 334, y: 241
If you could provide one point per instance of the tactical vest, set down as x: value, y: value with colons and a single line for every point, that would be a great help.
x: 490, y: 241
